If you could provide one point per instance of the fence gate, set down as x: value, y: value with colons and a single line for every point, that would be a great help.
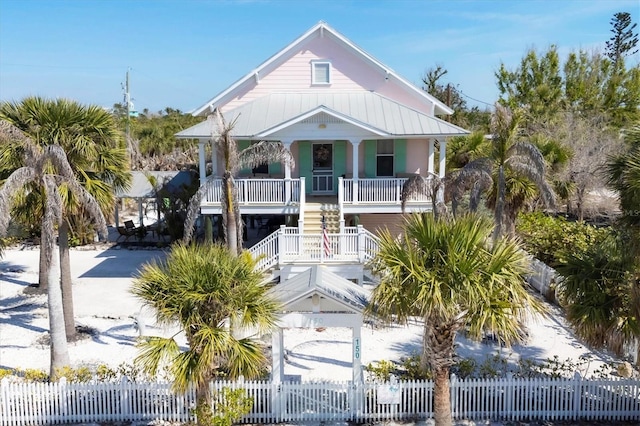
x: 315, y: 401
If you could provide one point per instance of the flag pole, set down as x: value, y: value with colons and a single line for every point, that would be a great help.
x: 322, y: 242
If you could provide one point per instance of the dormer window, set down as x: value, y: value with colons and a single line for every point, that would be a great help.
x: 320, y: 72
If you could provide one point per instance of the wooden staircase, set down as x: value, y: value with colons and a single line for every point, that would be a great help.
x: 313, y: 213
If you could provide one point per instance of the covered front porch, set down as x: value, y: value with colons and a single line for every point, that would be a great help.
x: 288, y: 196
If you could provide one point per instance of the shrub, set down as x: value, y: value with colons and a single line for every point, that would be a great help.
x: 77, y: 375
x: 229, y: 406
x: 382, y: 370
x: 413, y: 369
x: 549, y: 238
x: 33, y: 375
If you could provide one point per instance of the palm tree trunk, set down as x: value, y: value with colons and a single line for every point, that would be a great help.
x: 58, y: 344
x: 442, y: 398
x: 230, y: 219
x: 500, y: 200
x: 510, y: 217
x: 65, y: 279
x: 43, y: 273
x: 203, y: 402
x: 208, y: 230
x: 438, y: 343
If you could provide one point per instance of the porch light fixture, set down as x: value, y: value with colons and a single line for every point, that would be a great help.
x: 322, y: 126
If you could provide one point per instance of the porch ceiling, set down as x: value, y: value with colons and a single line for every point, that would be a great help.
x: 367, y: 110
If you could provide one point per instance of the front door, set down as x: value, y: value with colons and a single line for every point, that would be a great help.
x: 322, y: 168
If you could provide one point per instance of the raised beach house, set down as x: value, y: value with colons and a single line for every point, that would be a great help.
x: 357, y: 131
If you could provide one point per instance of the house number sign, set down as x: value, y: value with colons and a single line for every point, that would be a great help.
x: 356, y: 348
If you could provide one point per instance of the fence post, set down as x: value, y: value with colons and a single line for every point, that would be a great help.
x: 5, y: 402
x: 509, y: 391
x: 577, y: 395
x: 276, y: 396
x: 125, y: 403
x: 63, y: 399
x: 454, y: 394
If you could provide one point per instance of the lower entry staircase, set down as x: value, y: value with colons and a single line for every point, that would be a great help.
x: 313, y: 214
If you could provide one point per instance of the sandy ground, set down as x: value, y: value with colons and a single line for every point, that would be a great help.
x: 102, y: 302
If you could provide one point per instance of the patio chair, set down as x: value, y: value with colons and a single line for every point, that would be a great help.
x: 129, y: 230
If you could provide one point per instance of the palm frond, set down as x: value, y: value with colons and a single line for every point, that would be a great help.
x: 532, y: 173
x: 155, y: 352
x: 524, y: 152
x: 265, y: 152
x: 417, y: 186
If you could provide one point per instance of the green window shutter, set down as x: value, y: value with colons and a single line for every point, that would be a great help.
x: 370, y: 151
x: 400, y: 156
x: 304, y: 163
x: 339, y: 161
x: 241, y: 146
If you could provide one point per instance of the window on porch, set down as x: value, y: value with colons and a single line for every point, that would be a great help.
x: 384, y: 158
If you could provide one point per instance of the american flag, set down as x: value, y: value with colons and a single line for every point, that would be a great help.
x: 326, y: 243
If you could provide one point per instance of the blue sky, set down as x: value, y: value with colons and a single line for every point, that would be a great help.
x: 182, y: 53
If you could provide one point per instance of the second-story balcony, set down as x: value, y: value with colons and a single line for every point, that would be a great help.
x: 287, y: 196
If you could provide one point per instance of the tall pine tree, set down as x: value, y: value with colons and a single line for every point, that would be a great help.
x: 624, y: 40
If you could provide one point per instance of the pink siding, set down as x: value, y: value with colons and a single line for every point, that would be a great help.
x: 418, y: 156
x: 375, y: 222
x: 349, y: 72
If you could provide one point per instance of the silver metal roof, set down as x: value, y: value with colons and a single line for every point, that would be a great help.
x: 319, y: 279
x: 141, y: 186
x: 369, y: 110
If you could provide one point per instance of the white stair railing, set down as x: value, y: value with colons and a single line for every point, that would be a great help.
x: 266, y: 252
x: 288, y: 245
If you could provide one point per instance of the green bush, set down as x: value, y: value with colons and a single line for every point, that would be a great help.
x: 75, y: 375
x: 382, y: 370
x: 413, y: 369
x: 32, y: 375
x: 549, y: 238
x: 229, y: 406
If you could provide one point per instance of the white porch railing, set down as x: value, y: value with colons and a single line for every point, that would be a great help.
x: 257, y: 191
x: 375, y: 191
x: 288, y: 245
x: 508, y: 399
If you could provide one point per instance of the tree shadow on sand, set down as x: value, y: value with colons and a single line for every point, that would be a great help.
x: 122, y: 263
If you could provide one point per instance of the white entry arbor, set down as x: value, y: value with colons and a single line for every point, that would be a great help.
x: 318, y: 298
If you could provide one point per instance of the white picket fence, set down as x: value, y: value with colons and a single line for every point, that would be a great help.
x: 507, y: 399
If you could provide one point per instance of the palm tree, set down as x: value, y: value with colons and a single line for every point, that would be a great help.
x: 251, y: 157
x: 623, y: 171
x: 90, y: 138
x: 599, y: 292
x: 447, y: 273
x: 48, y: 169
x: 516, y: 169
x: 205, y: 288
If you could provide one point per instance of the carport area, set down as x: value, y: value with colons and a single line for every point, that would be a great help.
x: 146, y: 190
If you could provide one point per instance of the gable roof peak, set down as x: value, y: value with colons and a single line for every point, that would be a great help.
x: 322, y: 29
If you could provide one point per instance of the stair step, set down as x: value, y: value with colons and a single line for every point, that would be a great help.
x: 313, y: 217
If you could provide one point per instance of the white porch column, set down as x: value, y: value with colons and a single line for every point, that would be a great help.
x: 214, y: 160
x: 431, y: 162
x: 287, y: 171
x: 202, y: 161
x: 277, y: 351
x: 355, y: 144
x: 442, y: 167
